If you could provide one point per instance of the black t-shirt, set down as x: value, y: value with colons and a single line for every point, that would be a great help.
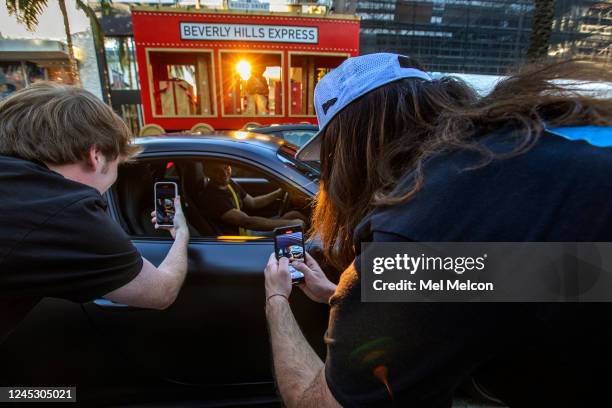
x: 216, y: 201
x: 56, y: 240
x: 529, y: 354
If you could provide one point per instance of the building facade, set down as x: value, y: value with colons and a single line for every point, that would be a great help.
x: 26, y: 61
x: 478, y: 37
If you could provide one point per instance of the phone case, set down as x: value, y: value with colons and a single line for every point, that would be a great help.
x: 155, y: 199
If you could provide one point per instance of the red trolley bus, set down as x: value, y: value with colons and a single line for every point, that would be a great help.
x: 204, y: 69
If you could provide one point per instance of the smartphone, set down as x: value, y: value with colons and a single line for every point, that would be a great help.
x: 289, y: 243
x: 165, y: 192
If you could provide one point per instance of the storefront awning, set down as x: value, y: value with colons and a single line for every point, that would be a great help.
x: 22, y: 49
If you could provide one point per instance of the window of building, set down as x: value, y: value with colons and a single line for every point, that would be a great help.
x: 12, y: 78
x: 56, y: 71
x: 305, y: 71
x: 252, y: 84
x: 121, y: 63
x: 182, y: 83
x: 16, y: 75
x: 35, y: 73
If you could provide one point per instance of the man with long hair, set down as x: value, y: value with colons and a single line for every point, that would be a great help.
x: 405, y: 157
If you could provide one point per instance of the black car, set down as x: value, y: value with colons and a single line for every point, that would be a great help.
x: 211, y: 346
x: 297, y: 134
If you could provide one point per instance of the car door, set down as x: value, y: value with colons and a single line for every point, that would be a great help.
x: 215, y: 333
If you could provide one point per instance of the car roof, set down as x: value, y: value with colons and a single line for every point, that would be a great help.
x: 282, y: 128
x: 246, y: 146
x: 218, y: 141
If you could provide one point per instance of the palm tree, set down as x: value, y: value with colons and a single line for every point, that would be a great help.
x: 541, y: 29
x: 27, y: 13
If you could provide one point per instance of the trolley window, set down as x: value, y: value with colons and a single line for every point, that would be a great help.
x: 252, y: 83
x: 305, y: 71
x: 182, y: 83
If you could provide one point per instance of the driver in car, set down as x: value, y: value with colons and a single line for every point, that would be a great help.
x: 225, y: 204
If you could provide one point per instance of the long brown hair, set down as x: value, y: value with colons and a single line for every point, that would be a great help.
x: 372, y: 143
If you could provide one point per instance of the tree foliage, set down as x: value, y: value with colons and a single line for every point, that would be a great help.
x: 27, y: 12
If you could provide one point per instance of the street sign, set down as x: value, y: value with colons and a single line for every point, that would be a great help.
x: 252, y: 5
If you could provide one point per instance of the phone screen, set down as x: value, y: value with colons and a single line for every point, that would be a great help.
x: 164, y: 203
x: 289, y: 243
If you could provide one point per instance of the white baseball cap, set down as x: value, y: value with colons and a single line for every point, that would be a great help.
x: 352, y: 79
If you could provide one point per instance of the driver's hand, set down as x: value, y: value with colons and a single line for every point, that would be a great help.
x: 316, y: 285
x: 180, y: 223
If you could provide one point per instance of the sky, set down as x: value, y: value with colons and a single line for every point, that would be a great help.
x: 51, y: 25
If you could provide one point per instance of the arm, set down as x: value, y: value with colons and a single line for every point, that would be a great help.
x: 158, y: 287
x: 299, y: 372
x: 262, y: 200
x: 241, y: 219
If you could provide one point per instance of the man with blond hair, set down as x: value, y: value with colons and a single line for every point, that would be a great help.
x: 60, y: 148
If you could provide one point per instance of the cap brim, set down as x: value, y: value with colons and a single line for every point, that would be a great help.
x: 311, y: 151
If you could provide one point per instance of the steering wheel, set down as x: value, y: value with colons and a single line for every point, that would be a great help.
x: 284, y: 206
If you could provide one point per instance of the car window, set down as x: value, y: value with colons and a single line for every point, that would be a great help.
x: 310, y: 169
x: 243, y: 172
x: 206, y: 193
x: 298, y: 137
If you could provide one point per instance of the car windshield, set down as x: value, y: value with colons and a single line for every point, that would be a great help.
x: 311, y: 169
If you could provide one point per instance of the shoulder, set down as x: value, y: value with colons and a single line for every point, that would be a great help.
x: 579, y: 146
x: 597, y: 136
x: 32, y: 194
x: 86, y: 213
x: 238, y: 188
x: 83, y: 225
x: 463, y: 198
x: 573, y: 144
x: 31, y: 180
x: 578, y: 159
x: 92, y: 204
x: 215, y: 199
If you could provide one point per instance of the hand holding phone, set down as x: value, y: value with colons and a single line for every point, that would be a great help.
x: 165, y: 193
x: 289, y: 243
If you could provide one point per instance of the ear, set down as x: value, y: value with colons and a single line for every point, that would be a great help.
x: 93, y: 158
